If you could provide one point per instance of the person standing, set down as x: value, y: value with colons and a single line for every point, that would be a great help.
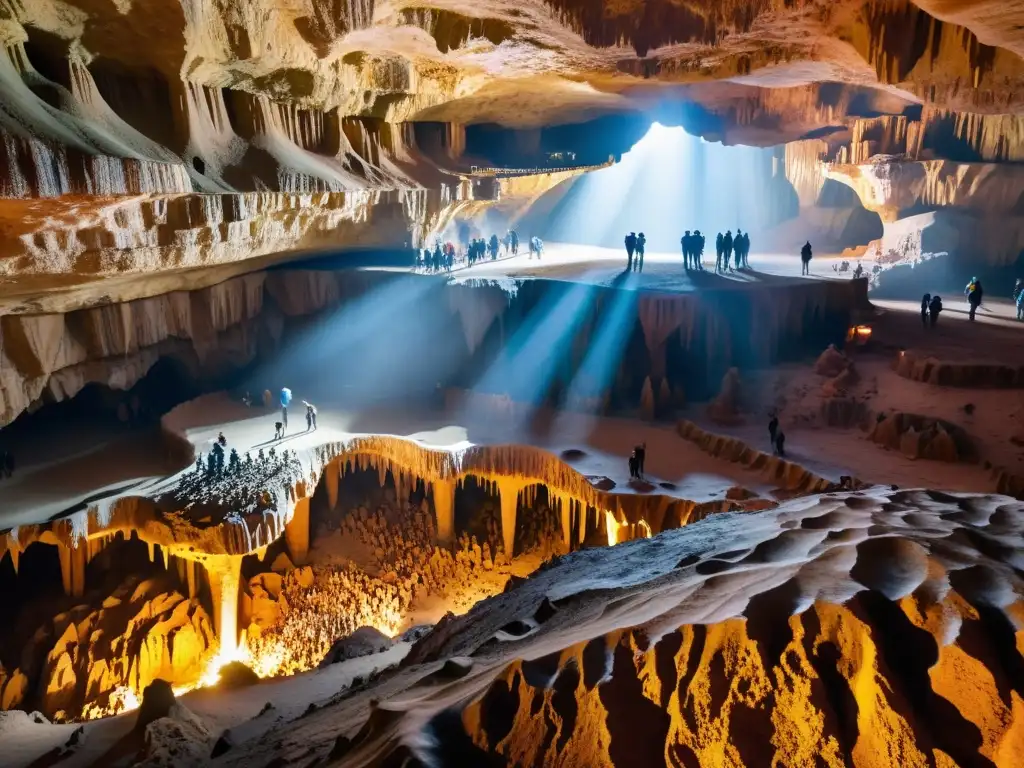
x: 286, y: 399
x: 934, y: 308
x: 926, y: 300
x: 974, y: 293
x: 727, y: 244
x: 641, y: 244
x: 773, y: 427
x: 687, y: 244
x: 805, y: 259
x: 630, y: 247
x: 719, y: 249
x: 641, y: 453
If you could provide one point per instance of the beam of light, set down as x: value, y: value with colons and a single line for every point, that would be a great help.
x: 667, y: 183
x: 594, y: 376
x: 370, y: 349
x: 542, y: 345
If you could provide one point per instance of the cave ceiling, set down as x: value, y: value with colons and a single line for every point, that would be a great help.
x: 140, y: 136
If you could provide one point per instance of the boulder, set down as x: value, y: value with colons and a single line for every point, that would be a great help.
x: 178, y: 739
x: 235, y: 674
x: 363, y: 642
x: 831, y: 362
x: 157, y: 701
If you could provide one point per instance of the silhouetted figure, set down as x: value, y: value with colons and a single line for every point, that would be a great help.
x: 536, y: 247
x: 1018, y: 289
x: 974, y: 293
x: 278, y: 430
x: 719, y: 250
x: 698, y: 250
x: 641, y: 453
x: 780, y: 443
x: 633, y: 466
x: 925, y: 301
x: 1019, y: 301
x: 686, y: 241
x: 859, y: 271
x: 773, y: 427
x: 223, y: 441
x: 286, y: 399
x: 746, y: 250
x: 514, y: 237
x: 641, y: 243
x: 934, y: 308
x: 310, y: 415
x: 494, y: 247
x: 630, y: 248
x: 737, y: 249
x: 805, y: 258
x: 727, y: 248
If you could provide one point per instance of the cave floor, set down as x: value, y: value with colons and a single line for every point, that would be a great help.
x: 686, y: 471
x: 663, y: 272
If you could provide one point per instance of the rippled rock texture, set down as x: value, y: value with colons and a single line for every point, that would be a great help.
x: 846, y: 629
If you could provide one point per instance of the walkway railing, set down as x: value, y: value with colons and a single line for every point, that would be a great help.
x: 481, y: 171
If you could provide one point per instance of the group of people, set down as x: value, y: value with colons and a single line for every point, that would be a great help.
x: 931, y: 305
x: 285, y: 398
x: 732, y: 252
x: 443, y: 256
x: 635, y: 244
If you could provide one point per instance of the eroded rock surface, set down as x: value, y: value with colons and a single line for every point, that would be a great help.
x: 838, y: 629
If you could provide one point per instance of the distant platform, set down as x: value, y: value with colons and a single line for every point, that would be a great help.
x: 662, y: 272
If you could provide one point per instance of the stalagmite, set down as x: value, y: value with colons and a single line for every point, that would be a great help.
x: 444, y: 508
x: 647, y: 400
x: 296, y: 531
x: 72, y: 569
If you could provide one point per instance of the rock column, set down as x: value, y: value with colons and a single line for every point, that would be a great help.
x: 444, y: 509
x: 224, y: 572
x: 296, y: 530
x: 509, y: 489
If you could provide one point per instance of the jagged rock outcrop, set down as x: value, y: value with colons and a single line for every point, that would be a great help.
x: 976, y: 373
x: 922, y: 437
x: 82, y: 659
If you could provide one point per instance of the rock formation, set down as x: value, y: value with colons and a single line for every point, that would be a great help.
x: 83, y: 660
x: 166, y: 139
x: 841, y: 629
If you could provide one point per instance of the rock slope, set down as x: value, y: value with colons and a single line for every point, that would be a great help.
x: 872, y: 628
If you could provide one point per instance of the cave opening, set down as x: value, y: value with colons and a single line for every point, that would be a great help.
x: 667, y: 182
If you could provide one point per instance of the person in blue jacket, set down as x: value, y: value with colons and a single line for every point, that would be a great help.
x: 286, y: 399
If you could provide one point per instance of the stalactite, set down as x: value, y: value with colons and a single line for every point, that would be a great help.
x: 444, y: 509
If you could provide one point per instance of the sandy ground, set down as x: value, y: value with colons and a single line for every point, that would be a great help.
x: 997, y: 415
x: 1001, y: 312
